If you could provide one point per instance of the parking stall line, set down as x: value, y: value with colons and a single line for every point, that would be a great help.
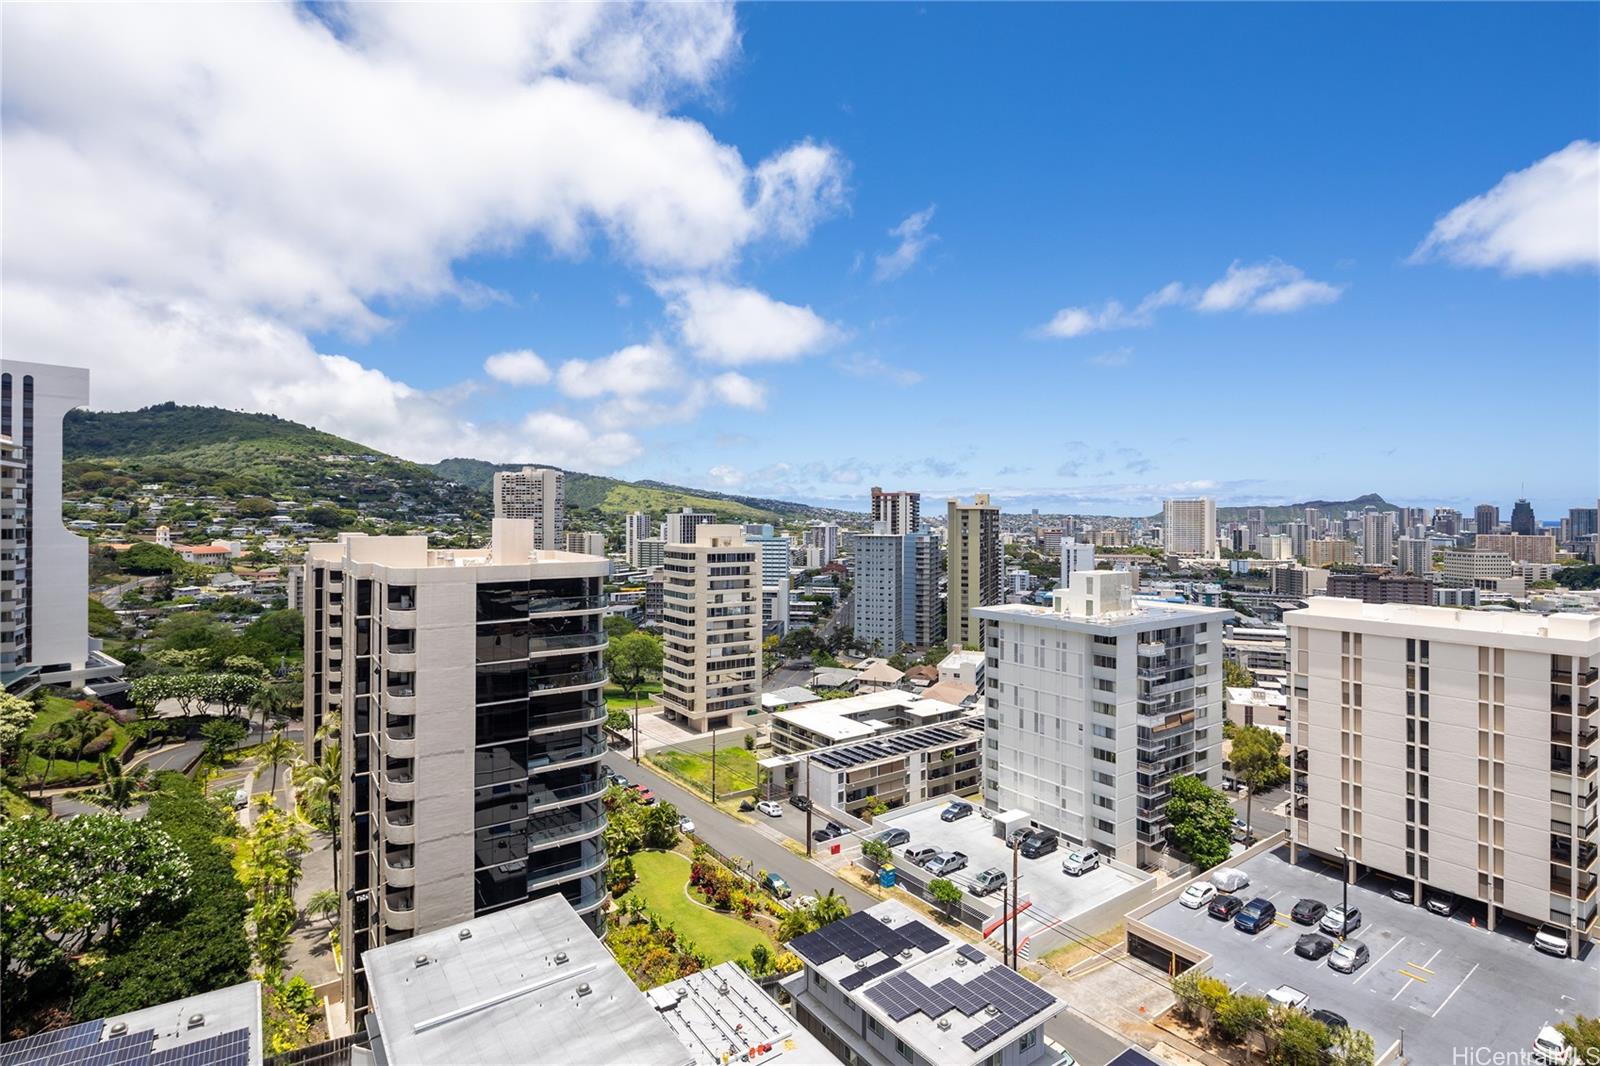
x: 1373, y: 965
x: 1454, y: 990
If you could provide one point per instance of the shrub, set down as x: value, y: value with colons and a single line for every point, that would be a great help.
x: 1237, y: 1015
x: 1198, y: 992
x: 1297, y: 1039
x: 100, y: 743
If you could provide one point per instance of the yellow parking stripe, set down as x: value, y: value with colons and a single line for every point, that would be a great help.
x: 1419, y: 966
x: 1415, y: 977
x: 1280, y: 921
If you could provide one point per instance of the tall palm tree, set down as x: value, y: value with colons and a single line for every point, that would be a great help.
x: 84, y: 727
x: 279, y: 751
x: 267, y: 702
x: 323, y: 904
x: 117, y: 787
x: 53, y: 738
x: 831, y: 907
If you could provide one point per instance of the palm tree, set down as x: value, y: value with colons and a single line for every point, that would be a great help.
x: 323, y: 904
x: 830, y: 908
x: 52, y: 739
x: 268, y: 702
x: 117, y: 787
x: 83, y: 727
x: 279, y: 751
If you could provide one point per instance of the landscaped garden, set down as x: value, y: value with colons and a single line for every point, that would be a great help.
x: 736, y: 768
x: 64, y: 730
x: 619, y: 700
x: 662, y: 886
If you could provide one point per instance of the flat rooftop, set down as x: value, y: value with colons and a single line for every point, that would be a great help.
x: 847, y: 719
x: 911, y: 977
x: 1333, y: 610
x: 217, y: 1028
x: 720, y: 1013
x: 1143, y: 614
x: 530, y: 985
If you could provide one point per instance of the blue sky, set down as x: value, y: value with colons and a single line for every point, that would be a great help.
x: 1251, y: 185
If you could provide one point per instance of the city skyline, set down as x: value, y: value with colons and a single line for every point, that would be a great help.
x: 739, y: 256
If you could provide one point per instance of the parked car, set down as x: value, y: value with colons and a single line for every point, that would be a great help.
x: 956, y: 809
x: 1017, y: 836
x: 1308, y: 911
x: 800, y: 803
x: 1341, y: 922
x: 1312, y: 946
x: 894, y: 837
x: 1441, y: 903
x: 1198, y: 895
x: 1551, y: 1047
x: 1402, y: 893
x: 1037, y: 844
x: 1287, y: 996
x: 621, y: 782
x: 920, y: 856
x: 1080, y: 861
x: 990, y: 880
x: 777, y: 886
x: 1255, y: 916
x: 1330, y: 1019
x: 1349, y: 956
x: 646, y: 797
x: 828, y: 832
x: 685, y: 825
x: 1552, y: 940
x: 770, y: 808
x: 1230, y: 879
x: 241, y: 799
x: 1225, y: 907
x: 946, y: 862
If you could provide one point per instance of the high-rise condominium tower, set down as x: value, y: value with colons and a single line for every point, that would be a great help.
x: 536, y: 494
x: 635, y: 527
x: 1377, y: 539
x: 1522, y: 520
x: 679, y: 526
x: 711, y: 629
x: 44, y: 570
x: 1452, y: 749
x: 902, y: 511
x: 1486, y: 517
x: 1189, y: 527
x: 1447, y: 520
x: 468, y: 686
x: 896, y: 597
x: 1096, y: 705
x: 975, y: 567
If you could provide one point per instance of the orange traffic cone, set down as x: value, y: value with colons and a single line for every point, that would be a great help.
x: 1474, y: 921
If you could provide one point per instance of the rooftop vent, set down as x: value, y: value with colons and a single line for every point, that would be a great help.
x: 465, y: 934
x: 196, y: 1021
x: 420, y: 961
x: 118, y: 1028
x: 584, y: 989
x: 991, y: 1010
x: 944, y: 1023
x: 884, y: 919
x: 561, y: 958
x: 906, y: 954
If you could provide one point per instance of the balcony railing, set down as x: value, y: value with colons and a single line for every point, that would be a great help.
x: 583, y: 864
x: 574, y: 679
x: 543, y: 758
x: 559, y: 826
x: 565, y: 604
x: 540, y: 796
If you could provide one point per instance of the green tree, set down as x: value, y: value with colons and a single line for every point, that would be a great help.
x: 1353, y: 1047
x: 279, y: 751
x: 147, y: 558
x: 796, y: 922
x: 16, y: 714
x: 830, y: 907
x: 1583, y: 1035
x: 660, y: 825
x: 633, y: 659
x: 874, y: 807
x: 617, y: 625
x: 117, y: 786
x: 1237, y: 1016
x: 1297, y: 1039
x: 69, y: 884
x: 323, y: 904
x: 1236, y: 676
x: 1201, y: 820
x: 947, y: 893
x: 876, y: 850
x: 1257, y: 761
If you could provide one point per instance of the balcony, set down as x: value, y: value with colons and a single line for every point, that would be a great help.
x: 1563, y: 733
x: 398, y: 828
x: 566, y: 871
x: 399, y: 910
x: 540, y: 722
x: 548, y: 605
x: 561, y: 642
x: 573, y: 680
x: 1581, y: 888
x: 400, y: 617
x: 399, y: 784
x: 400, y: 661
x: 399, y: 871
x: 541, y: 796
x: 1564, y: 764
x: 562, y: 826
x: 548, y: 756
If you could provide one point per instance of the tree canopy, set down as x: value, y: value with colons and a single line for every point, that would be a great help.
x: 1202, y: 821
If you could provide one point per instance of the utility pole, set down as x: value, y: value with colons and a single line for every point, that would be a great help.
x: 807, y: 772
x: 1016, y: 900
x: 713, y: 766
x: 1005, y: 924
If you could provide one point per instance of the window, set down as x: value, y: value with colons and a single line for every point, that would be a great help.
x: 902, y: 1049
x: 874, y: 1026
x: 1028, y: 1040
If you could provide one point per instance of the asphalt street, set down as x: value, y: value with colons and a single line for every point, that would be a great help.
x: 732, y: 837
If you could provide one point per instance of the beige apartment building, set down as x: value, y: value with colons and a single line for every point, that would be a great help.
x: 537, y: 494
x: 974, y: 568
x: 711, y: 629
x: 1452, y: 749
x: 1520, y: 547
x: 1330, y: 552
x: 468, y: 692
x: 1189, y: 527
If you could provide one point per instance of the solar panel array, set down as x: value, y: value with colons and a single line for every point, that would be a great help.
x: 81, y: 1045
x: 970, y: 953
x: 861, y: 977
x: 848, y: 755
x: 1014, y: 998
x: 860, y: 935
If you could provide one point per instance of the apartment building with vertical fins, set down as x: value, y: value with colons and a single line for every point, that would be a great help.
x: 1454, y: 750
x: 468, y: 688
x: 1189, y: 527
x: 537, y: 494
x: 711, y: 629
x: 975, y: 567
x: 1094, y: 704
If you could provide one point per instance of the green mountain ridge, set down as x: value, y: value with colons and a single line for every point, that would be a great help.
x: 1290, y: 512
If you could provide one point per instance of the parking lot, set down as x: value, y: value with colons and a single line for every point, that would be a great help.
x: 1057, y: 898
x: 1446, y: 984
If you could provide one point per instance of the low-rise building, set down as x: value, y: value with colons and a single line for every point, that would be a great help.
x: 1256, y: 706
x: 898, y: 767
x: 1382, y: 588
x: 820, y: 724
x: 884, y: 988
x: 722, y: 1016
x: 964, y: 665
x: 217, y: 1028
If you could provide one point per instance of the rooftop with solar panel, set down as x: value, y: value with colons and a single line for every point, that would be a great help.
x: 884, y: 979
x: 220, y: 1028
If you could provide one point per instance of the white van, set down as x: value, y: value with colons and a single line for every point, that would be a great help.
x: 1230, y: 879
x: 241, y: 799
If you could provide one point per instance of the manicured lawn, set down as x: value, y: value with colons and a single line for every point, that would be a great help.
x: 736, y: 768
x: 57, y: 710
x: 616, y: 699
x: 662, y: 877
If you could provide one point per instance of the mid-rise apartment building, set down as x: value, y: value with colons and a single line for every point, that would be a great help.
x: 975, y: 567
x: 44, y: 569
x: 1480, y: 570
x: 635, y: 528
x: 1298, y: 582
x: 896, y: 597
x: 1189, y: 527
x: 1521, y: 547
x: 1453, y: 749
x: 679, y: 527
x: 536, y: 494
x: 1094, y: 704
x: 1329, y: 552
x: 586, y: 543
x: 1275, y: 546
x: 884, y: 988
x: 1414, y: 555
x: 1075, y: 556
x: 1377, y: 538
x: 711, y: 629
x: 824, y: 536
x: 1382, y: 588
x: 901, y: 512
x: 468, y: 688
x: 1447, y: 520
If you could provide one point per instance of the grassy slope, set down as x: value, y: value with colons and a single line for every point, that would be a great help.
x: 56, y: 710
x: 736, y: 768
x: 662, y: 877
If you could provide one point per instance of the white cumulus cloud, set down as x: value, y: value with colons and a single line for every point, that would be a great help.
x: 734, y: 326
x: 630, y: 371
x: 1534, y: 221
x: 521, y: 367
x: 914, y: 240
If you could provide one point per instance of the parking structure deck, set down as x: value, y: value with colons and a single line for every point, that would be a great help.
x: 1450, y: 986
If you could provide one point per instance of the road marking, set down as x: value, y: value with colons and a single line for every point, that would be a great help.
x: 1414, y: 976
x: 1374, y: 964
x: 1456, y: 989
x: 1419, y: 966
